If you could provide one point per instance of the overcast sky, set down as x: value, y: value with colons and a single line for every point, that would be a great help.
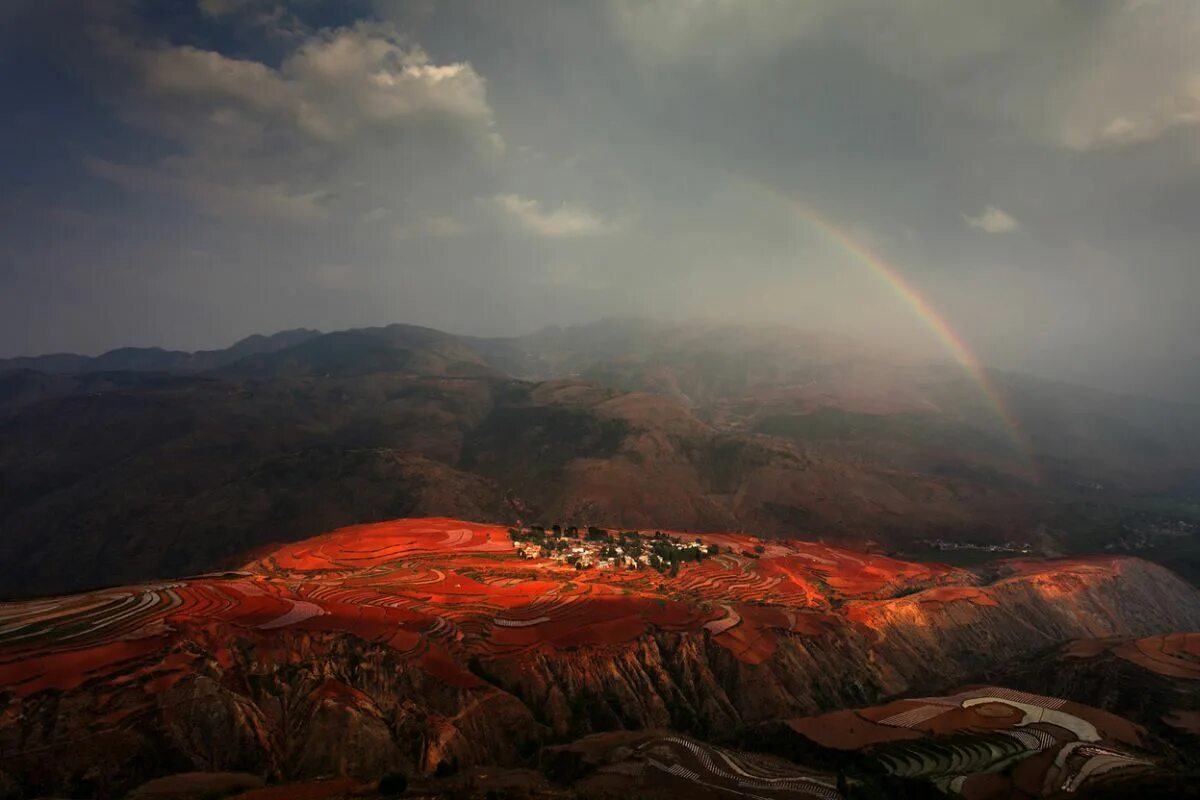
x: 183, y: 173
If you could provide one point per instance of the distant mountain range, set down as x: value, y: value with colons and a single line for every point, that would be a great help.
x: 143, y: 462
x: 156, y: 359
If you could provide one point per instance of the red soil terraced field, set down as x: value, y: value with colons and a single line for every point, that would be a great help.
x: 1175, y: 655
x: 987, y: 741
x: 439, y: 590
x: 420, y: 642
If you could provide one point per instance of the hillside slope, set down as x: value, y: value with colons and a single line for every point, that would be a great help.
x: 113, y: 477
x: 418, y: 642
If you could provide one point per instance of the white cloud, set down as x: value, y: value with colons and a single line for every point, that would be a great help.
x: 204, y: 76
x: 334, y: 85
x: 363, y: 77
x: 351, y: 116
x: 992, y: 220
x: 1138, y: 78
x: 566, y: 221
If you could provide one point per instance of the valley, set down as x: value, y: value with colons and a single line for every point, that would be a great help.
x: 139, y: 464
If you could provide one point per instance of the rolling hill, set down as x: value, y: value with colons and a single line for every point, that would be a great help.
x: 179, y: 465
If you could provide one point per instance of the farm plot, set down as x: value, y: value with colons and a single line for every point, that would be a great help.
x: 1175, y: 656
x: 691, y: 767
x: 982, y: 740
x: 445, y: 590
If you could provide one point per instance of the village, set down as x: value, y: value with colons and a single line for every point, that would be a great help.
x: 1006, y: 547
x: 605, y: 550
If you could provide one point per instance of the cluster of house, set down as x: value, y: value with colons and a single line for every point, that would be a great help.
x: 1007, y: 547
x: 585, y: 554
x: 1146, y: 534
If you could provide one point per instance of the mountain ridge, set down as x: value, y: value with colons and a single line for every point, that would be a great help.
x: 152, y: 359
x: 121, y: 476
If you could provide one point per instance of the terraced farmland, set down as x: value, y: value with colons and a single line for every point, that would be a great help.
x: 422, y: 642
x: 438, y: 590
x: 1175, y: 655
x: 658, y: 764
x: 988, y: 741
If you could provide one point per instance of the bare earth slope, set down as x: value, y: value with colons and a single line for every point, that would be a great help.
x: 120, y: 479
x: 1153, y: 680
x: 419, y: 642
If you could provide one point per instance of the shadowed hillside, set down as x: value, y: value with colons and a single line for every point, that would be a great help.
x: 113, y: 476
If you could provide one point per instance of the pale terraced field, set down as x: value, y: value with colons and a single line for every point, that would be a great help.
x: 662, y: 764
x: 690, y: 768
x: 987, y: 741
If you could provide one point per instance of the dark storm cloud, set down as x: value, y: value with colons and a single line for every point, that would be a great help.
x: 187, y: 173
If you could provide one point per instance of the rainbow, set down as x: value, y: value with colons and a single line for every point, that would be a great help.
x: 895, y: 280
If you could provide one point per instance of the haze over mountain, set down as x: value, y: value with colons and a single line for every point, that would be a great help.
x: 156, y: 359
x: 191, y: 172
x: 134, y: 474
